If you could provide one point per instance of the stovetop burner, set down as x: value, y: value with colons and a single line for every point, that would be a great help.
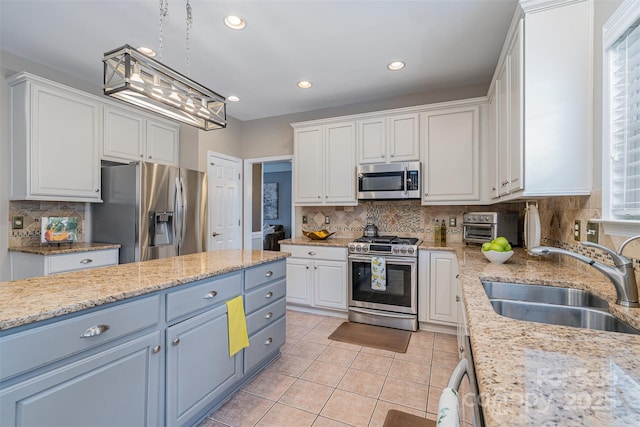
x: 401, y: 246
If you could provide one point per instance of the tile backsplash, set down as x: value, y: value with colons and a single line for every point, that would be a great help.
x: 33, y: 211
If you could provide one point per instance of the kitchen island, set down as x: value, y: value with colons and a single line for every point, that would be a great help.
x: 143, y: 343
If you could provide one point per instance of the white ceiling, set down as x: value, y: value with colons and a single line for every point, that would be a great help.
x: 342, y: 46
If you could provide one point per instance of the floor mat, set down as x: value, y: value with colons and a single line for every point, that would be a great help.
x: 372, y: 336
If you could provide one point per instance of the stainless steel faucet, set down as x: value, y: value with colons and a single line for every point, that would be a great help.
x: 621, y: 275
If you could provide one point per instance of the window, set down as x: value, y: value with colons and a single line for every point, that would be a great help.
x: 621, y: 97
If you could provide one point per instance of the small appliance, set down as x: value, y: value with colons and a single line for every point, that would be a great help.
x: 481, y: 227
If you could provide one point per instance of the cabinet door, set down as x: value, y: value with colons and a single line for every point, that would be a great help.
x: 451, y: 136
x: 330, y: 284
x: 299, y: 281
x: 443, y: 288
x: 340, y: 164
x: 116, y: 387
x: 199, y: 368
x: 515, y: 131
x: 308, y: 175
x: 503, y: 113
x: 162, y: 143
x: 65, y: 139
x: 492, y: 162
x: 372, y: 140
x: 403, y: 140
x: 123, y: 135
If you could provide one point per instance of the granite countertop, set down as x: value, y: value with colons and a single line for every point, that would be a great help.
x: 39, y: 298
x: 64, y: 248
x: 534, y: 374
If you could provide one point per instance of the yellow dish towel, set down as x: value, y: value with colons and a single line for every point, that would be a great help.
x: 237, y: 324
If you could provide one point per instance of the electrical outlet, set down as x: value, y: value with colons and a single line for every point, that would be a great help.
x: 576, y: 230
x: 327, y: 220
x: 452, y: 221
x: 304, y: 219
x: 17, y: 222
x: 592, y: 232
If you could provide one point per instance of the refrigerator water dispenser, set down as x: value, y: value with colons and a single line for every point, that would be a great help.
x: 160, y: 228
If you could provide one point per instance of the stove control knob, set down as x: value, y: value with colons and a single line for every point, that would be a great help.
x: 395, y: 250
x: 352, y: 248
x: 359, y: 248
x: 365, y: 248
x: 410, y: 251
x: 403, y: 250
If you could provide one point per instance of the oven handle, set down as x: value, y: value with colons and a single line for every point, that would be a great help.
x: 389, y: 260
x: 404, y: 181
x: 478, y: 225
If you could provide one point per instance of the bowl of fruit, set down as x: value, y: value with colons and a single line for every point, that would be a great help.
x: 498, y: 250
x: 317, y: 235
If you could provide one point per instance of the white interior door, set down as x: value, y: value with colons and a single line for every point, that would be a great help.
x: 225, y: 202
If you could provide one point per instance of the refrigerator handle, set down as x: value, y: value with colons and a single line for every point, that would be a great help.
x: 177, y: 218
x: 183, y: 211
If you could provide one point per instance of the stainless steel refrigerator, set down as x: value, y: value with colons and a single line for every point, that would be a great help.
x: 153, y: 211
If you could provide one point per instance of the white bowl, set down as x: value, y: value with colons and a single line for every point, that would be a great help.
x: 497, y: 257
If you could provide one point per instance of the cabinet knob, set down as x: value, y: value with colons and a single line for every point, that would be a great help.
x: 268, y: 273
x: 393, y: 155
x: 176, y: 341
x: 319, y: 196
x: 150, y: 157
x: 141, y: 155
x: 268, y: 341
x: 269, y: 315
x: 269, y: 295
x: 382, y: 156
x: 95, y: 331
x: 461, y: 349
x: 97, y: 190
x: 457, y: 298
x: 210, y: 295
x: 315, y: 267
x: 311, y: 253
x: 307, y: 267
x: 86, y: 261
x: 157, y: 349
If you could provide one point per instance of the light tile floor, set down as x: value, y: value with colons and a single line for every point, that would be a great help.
x: 319, y: 382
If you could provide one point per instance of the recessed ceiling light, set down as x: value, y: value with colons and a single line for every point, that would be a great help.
x: 396, y: 65
x: 304, y: 84
x: 235, y: 22
x: 233, y: 98
x: 147, y: 51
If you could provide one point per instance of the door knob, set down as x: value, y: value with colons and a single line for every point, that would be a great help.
x: 214, y: 234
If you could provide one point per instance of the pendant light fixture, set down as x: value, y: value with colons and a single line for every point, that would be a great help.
x: 136, y: 78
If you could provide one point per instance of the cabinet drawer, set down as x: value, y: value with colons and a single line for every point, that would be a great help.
x: 315, y: 252
x: 45, y: 344
x: 81, y: 260
x: 206, y: 294
x: 266, y: 315
x: 264, y: 343
x: 264, y: 273
x: 264, y: 295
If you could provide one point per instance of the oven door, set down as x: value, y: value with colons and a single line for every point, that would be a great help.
x: 400, y: 293
x: 478, y: 233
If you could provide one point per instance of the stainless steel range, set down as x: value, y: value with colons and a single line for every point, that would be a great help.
x: 383, y: 281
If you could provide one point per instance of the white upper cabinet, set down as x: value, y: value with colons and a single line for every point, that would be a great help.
x: 542, y: 102
x: 388, y: 139
x: 131, y: 136
x: 56, y: 136
x: 324, y: 164
x: 450, y: 136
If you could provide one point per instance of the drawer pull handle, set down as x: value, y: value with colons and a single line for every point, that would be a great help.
x: 86, y: 261
x: 157, y: 349
x: 268, y: 341
x: 311, y: 253
x: 176, y: 341
x: 457, y: 298
x: 269, y: 295
x: 268, y: 273
x: 95, y: 330
x: 210, y: 295
x: 269, y: 315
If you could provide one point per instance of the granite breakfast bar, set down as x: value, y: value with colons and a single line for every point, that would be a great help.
x: 137, y: 344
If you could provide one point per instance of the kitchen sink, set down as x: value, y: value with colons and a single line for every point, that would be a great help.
x: 553, y: 305
x: 579, y: 317
x: 543, y: 294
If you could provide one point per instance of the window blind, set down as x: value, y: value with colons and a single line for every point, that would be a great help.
x: 624, y: 66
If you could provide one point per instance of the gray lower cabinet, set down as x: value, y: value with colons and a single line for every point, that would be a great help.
x: 102, y: 368
x: 199, y: 368
x: 157, y: 360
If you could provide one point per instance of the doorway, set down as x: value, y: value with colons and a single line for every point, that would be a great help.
x: 268, y: 200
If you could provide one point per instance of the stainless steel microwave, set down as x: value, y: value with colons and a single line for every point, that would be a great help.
x: 389, y: 181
